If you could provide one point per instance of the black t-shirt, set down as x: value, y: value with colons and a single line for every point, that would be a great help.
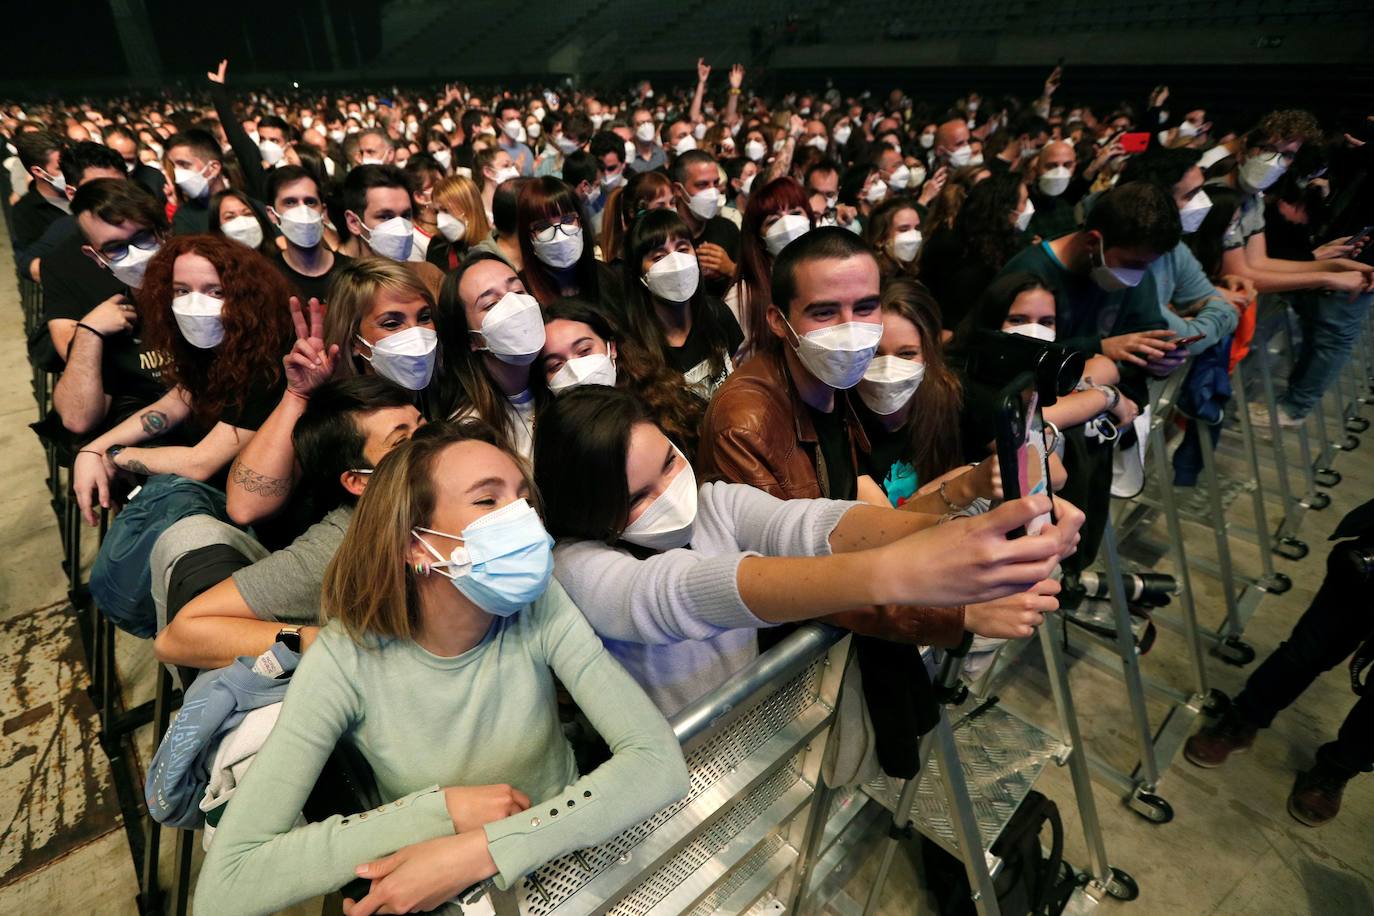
x: 693, y: 358
x: 309, y: 287
x: 192, y: 217
x: 836, y: 455
x: 720, y: 231
x: 32, y: 215
x: 955, y: 277
x: 888, y: 462
x: 73, y: 284
x: 260, y: 400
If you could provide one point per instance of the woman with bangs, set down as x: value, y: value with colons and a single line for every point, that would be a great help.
x: 583, y: 346
x: 461, y: 221
x: 644, y: 191
x: 218, y: 311
x: 556, y: 248
x: 669, y: 310
x: 776, y: 214
x: 381, y: 320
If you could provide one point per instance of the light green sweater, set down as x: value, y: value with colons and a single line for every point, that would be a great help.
x: 425, y: 722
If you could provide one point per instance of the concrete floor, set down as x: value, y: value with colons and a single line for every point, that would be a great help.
x: 1231, y: 848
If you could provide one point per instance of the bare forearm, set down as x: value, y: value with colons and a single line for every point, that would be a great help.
x: 152, y: 421
x: 1077, y: 408
x: 213, y: 642
x: 785, y: 589
x: 79, y: 396
x: 864, y: 527
x: 263, y: 473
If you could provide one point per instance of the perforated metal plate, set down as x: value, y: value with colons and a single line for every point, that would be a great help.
x: 1001, y: 757
x: 549, y: 887
x: 739, y: 877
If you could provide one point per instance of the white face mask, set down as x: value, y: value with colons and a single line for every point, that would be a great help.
x: 1055, y: 181
x: 839, y: 355
x: 444, y: 157
x: 534, y: 130
x: 927, y: 141
x: 501, y: 176
x: 755, y: 150
x: 961, y: 156
x: 699, y: 131
x: 592, y: 369
x: 704, y: 204
x: 566, y: 145
x: 645, y: 132
x: 337, y: 136
x: 1187, y: 130
x: 198, y: 317
x: 818, y: 142
x: 667, y: 521
x: 447, y: 124
x: 513, y: 330
x: 1112, y: 279
x: 1195, y: 211
x: 674, y: 278
x: 272, y: 151
x: 246, y: 230
x: 876, y: 191
x: 1032, y: 329
x: 613, y: 180
x: 629, y: 151
x: 976, y: 160
x: 131, y: 268
x: 451, y: 227
x: 918, y: 176
x: 391, y: 238
x: 899, y: 178
x: 842, y: 134
x: 513, y: 129
x: 905, y: 245
x: 790, y: 226
x: 889, y: 382
x: 373, y: 160
x: 685, y: 144
x: 302, y: 226
x: 1023, y: 218
x: 1259, y: 172
x: 192, y: 183
x: 406, y: 357
x: 562, y: 250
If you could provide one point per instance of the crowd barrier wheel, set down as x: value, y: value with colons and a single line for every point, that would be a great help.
x: 1356, y: 424
x: 1216, y: 703
x: 1291, y: 548
x: 1326, y: 477
x: 1278, y: 584
x: 1317, y: 501
x: 1122, y: 886
x: 1235, y: 651
x: 1151, y: 807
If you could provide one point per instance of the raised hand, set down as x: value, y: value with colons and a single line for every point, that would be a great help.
x: 703, y: 70
x: 737, y: 76
x: 309, y: 364
x: 1052, y: 81
x: 217, y: 76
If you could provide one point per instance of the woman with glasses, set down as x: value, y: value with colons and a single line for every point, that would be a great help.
x: 556, y: 248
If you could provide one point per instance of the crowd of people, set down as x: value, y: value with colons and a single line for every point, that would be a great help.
x: 440, y: 399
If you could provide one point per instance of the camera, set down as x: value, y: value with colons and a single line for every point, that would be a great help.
x: 997, y: 360
x: 1147, y: 589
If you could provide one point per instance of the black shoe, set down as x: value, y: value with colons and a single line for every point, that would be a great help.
x: 1316, y: 795
x: 1213, y: 744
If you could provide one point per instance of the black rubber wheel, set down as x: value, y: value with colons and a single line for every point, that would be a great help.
x: 1350, y: 444
x: 1152, y: 807
x: 1122, y: 886
x: 1318, y: 501
x: 1326, y: 477
x: 1236, y: 651
x: 1216, y: 703
x: 1356, y: 424
x: 1280, y: 584
x: 1291, y: 548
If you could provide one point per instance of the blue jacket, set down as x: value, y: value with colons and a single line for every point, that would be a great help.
x: 214, y: 706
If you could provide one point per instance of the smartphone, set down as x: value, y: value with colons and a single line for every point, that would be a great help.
x: 1021, y: 445
x: 1135, y: 142
x: 1187, y: 341
x: 1359, y: 237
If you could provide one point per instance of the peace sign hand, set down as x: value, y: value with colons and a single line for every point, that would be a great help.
x: 309, y: 364
x: 217, y: 76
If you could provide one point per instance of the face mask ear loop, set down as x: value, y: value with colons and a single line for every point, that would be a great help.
x: 422, y: 568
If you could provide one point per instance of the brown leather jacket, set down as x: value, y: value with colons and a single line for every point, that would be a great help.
x: 757, y: 431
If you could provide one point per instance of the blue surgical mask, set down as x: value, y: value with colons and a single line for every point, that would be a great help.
x: 505, y: 560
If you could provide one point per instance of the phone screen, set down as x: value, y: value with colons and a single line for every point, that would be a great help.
x: 1033, y: 461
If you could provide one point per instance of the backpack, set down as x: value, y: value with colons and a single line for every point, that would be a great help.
x: 1029, y: 884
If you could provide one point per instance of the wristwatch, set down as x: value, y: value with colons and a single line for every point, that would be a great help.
x: 291, y: 638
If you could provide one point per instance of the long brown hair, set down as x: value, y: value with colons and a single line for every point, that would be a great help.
x: 257, y: 324
x: 933, y: 422
x: 753, y: 274
x: 624, y: 204
x: 877, y: 232
x: 549, y: 198
x: 370, y: 586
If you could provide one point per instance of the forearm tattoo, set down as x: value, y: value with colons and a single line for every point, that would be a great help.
x: 154, y: 422
x: 253, y: 482
x: 135, y: 466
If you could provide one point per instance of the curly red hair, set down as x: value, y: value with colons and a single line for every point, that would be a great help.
x: 257, y: 324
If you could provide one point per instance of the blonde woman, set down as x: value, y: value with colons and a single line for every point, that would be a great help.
x: 381, y: 319
x: 462, y: 221
x: 440, y: 670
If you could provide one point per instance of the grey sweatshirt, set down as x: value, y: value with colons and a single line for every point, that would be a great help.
x: 676, y: 620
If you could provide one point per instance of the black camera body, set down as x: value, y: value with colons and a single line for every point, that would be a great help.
x: 998, y: 359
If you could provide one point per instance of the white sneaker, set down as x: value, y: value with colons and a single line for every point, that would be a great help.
x: 1259, y: 418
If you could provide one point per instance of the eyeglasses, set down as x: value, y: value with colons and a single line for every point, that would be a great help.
x: 145, y: 240
x: 546, y: 230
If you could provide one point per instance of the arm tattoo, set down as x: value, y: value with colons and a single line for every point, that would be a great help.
x: 154, y: 422
x: 253, y: 482
x: 137, y: 467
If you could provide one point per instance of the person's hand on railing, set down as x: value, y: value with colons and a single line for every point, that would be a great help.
x: 1015, y: 616
x: 473, y: 807
x: 423, y: 876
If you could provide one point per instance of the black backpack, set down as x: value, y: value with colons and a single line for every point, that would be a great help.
x: 1029, y: 884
